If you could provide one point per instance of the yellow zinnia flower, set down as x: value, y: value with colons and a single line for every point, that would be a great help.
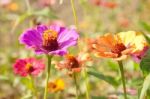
x: 132, y: 38
x: 55, y: 86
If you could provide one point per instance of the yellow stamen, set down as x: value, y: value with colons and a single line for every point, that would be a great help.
x: 50, y: 34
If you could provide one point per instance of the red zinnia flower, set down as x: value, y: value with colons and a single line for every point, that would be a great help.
x: 28, y: 66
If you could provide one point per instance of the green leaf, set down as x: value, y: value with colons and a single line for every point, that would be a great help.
x: 108, y: 79
x: 45, y: 13
x: 147, y: 38
x: 145, y: 87
x: 27, y: 96
x: 145, y: 25
x: 27, y: 83
x: 145, y: 63
x: 20, y: 20
x: 2, y: 77
x: 99, y: 97
x: 113, y: 65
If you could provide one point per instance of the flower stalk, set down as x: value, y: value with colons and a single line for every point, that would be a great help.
x: 87, y: 84
x: 33, y: 86
x: 74, y: 13
x: 76, y: 84
x: 123, y: 78
x: 47, y: 75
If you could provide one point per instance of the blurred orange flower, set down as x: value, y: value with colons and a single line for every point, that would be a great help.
x: 72, y: 63
x: 120, y: 45
x: 13, y: 6
x: 9, y: 5
x: 104, y: 3
x: 90, y: 42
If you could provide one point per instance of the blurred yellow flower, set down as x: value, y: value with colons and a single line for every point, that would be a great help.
x: 55, y: 86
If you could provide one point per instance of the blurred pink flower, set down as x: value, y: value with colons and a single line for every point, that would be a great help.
x: 131, y: 91
x: 44, y: 3
x: 57, y: 22
x: 4, y: 2
x: 28, y: 66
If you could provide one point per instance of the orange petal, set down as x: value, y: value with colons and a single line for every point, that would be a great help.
x: 107, y: 55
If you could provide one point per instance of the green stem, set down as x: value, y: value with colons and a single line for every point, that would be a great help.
x: 87, y: 84
x: 47, y: 76
x: 57, y: 95
x: 123, y: 78
x: 29, y: 11
x: 74, y: 13
x: 76, y: 84
x: 33, y: 86
x: 75, y: 17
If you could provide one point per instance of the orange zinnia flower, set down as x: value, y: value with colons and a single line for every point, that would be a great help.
x: 120, y: 45
x: 72, y: 63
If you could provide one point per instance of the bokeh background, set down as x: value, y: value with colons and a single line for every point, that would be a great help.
x: 94, y: 19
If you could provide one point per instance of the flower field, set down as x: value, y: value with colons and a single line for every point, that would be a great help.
x: 74, y: 49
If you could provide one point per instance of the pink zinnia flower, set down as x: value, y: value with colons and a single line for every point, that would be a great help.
x: 52, y: 40
x: 28, y: 66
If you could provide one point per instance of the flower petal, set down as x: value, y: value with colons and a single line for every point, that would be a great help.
x: 55, y: 28
x: 19, y: 67
x: 40, y: 51
x: 41, y: 28
x: 67, y: 34
x: 31, y: 38
x: 60, y: 52
x: 68, y: 43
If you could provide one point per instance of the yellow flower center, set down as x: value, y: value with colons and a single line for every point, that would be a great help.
x: 50, y: 34
x: 50, y: 40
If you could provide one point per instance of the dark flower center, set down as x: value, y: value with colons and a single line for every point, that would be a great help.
x: 72, y: 62
x: 118, y: 48
x: 54, y: 86
x: 29, y: 67
x: 50, y: 40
